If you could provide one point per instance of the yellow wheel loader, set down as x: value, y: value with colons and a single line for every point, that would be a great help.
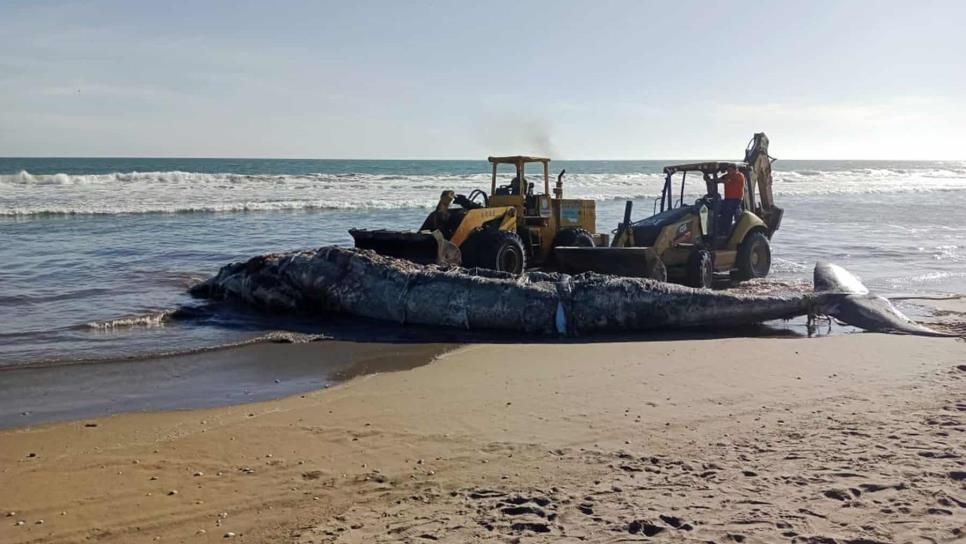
x: 513, y: 228
x: 691, y: 243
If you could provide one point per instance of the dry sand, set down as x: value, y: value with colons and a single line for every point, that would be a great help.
x: 856, y: 438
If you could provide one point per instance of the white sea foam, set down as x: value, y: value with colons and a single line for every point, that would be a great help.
x: 148, y: 320
x: 947, y: 252
x: 26, y: 194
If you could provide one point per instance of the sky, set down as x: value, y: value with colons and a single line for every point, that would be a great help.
x: 463, y: 80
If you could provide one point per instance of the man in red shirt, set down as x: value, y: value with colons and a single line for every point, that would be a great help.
x: 734, y: 183
x: 734, y: 194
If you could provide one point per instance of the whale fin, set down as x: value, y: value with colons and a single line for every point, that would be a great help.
x: 846, y: 299
x: 833, y: 278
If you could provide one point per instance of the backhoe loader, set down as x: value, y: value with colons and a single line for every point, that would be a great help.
x: 511, y: 229
x: 692, y: 243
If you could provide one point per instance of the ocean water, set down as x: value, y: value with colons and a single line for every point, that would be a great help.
x: 96, y: 254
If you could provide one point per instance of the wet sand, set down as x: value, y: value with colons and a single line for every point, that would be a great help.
x: 249, y: 373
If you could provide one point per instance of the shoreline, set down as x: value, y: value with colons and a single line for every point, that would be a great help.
x: 229, y: 369
x: 239, y: 374
x: 262, y: 369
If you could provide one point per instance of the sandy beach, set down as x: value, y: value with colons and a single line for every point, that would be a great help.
x: 851, y: 438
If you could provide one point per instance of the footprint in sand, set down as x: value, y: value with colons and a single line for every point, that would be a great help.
x: 644, y: 527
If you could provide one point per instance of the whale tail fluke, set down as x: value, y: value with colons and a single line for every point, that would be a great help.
x: 844, y: 297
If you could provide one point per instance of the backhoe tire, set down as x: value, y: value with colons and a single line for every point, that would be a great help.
x: 754, y: 257
x: 700, y: 272
x: 499, y: 250
x: 573, y: 238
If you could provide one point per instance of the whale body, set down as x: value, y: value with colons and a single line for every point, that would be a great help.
x: 363, y: 283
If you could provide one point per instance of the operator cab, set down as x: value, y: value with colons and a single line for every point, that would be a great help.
x: 673, y: 208
x: 535, y: 203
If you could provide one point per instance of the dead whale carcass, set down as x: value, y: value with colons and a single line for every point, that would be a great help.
x: 365, y: 284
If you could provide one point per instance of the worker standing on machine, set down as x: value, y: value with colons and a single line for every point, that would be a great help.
x: 734, y: 194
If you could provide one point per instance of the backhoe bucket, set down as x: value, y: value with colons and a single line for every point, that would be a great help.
x: 640, y: 262
x: 423, y: 247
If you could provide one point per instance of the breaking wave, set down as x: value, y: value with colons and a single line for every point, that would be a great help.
x: 25, y: 194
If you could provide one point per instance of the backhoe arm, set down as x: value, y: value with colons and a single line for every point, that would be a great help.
x: 759, y: 162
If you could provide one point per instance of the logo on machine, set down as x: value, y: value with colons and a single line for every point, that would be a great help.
x: 682, y: 234
x: 570, y: 216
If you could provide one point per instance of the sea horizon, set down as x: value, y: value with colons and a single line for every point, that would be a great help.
x: 465, y: 159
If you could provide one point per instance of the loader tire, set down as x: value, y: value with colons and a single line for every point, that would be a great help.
x: 700, y: 272
x: 573, y: 238
x: 577, y: 237
x: 499, y: 250
x: 754, y: 257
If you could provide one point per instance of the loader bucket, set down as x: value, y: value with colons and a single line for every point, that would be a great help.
x: 640, y: 262
x: 423, y: 247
